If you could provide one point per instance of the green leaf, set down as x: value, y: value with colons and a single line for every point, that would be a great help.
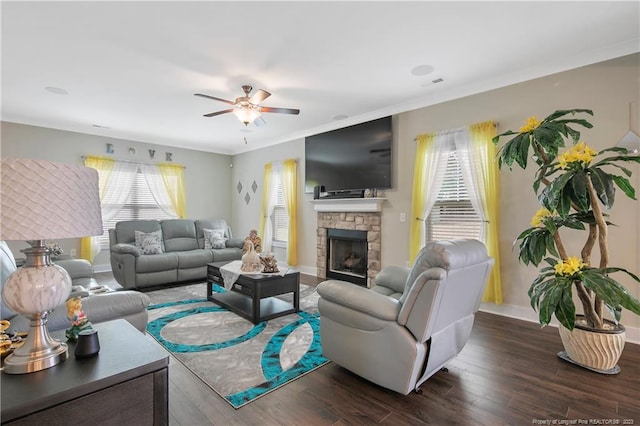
x: 564, y: 202
x: 549, y: 302
x: 625, y: 186
x: 603, y: 184
x: 571, y: 221
x: 609, y: 290
x: 562, y: 112
x: 566, y: 310
x: 610, y: 160
x: 579, y: 191
x: 550, y: 196
x: 617, y: 149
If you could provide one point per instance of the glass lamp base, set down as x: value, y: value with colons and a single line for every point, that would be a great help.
x: 39, y: 352
x: 35, y: 290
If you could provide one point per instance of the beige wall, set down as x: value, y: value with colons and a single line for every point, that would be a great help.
x: 207, y: 175
x: 607, y: 88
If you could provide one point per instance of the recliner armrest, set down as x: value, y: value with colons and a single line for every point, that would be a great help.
x: 123, y: 248
x: 235, y: 242
x: 77, y: 268
x: 360, y: 299
x: 393, y: 277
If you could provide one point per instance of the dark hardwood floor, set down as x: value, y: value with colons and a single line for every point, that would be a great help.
x: 507, y: 374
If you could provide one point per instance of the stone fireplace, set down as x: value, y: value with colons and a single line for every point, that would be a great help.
x: 357, y: 255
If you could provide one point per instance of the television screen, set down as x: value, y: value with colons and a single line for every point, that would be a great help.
x: 352, y: 158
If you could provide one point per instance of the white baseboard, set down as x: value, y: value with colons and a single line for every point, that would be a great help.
x: 528, y: 314
x: 307, y: 270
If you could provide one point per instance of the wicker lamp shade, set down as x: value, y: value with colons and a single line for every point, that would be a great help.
x: 43, y: 200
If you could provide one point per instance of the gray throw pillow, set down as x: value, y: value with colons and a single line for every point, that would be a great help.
x: 149, y: 243
x: 214, y: 239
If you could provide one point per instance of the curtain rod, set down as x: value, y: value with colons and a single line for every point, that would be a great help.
x: 457, y: 130
x: 84, y: 157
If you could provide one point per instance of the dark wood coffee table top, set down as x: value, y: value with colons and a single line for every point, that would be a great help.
x: 252, y: 296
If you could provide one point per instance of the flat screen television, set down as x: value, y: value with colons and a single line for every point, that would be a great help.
x: 353, y: 158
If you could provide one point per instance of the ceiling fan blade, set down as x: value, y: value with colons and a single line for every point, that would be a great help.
x: 259, y: 96
x: 213, y: 114
x: 280, y: 110
x: 259, y: 122
x: 214, y: 98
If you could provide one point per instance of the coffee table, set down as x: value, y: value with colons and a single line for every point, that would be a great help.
x: 252, y: 295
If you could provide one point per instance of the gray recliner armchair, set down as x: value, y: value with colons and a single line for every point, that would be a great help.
x: 412, y: 322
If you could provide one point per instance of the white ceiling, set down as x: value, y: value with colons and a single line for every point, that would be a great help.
x: 133, y: 67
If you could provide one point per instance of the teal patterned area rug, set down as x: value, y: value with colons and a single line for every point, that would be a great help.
x: 237, y: 359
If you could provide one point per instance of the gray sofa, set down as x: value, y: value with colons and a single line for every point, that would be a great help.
x: 183, y: 257
x: 128, y: 305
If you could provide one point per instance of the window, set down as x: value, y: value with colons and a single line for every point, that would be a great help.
x: 453, y: 215
x: 280, y: 218
x: 140, y: 204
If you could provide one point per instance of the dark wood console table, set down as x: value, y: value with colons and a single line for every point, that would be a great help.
x: 125, y: 384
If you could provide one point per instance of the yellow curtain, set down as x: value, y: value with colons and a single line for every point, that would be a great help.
x: 290, y: 188
x: 481, y: 137
x: 173, y: 178
x: 89, y: 245
x: 417, y: 195
x: 266, y: 190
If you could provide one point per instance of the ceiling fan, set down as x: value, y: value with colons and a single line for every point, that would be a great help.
x: 247, y: 108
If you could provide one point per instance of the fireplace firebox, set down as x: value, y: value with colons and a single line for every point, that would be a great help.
x: 347, y: 255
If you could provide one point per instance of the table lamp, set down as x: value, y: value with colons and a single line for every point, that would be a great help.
x: 42, y: 200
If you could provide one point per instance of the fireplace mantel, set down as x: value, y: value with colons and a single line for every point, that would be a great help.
x: 348, y: 204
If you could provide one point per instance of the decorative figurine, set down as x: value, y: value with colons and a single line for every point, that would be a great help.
x: 78, y: 318
x: 269, y: 263
x: 255, y: 240
x: 251, y: 260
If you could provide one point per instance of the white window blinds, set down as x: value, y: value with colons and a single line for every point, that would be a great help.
x: 453, y: 215
x: 140, y: 205
x: 280, y: 218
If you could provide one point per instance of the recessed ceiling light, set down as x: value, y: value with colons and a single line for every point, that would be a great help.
x: 339, y: 117
x: 422, y: 70
x: 100, y: 127
x: 56, y: 90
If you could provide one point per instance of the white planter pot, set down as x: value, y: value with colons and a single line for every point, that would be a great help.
x: 594, y: 349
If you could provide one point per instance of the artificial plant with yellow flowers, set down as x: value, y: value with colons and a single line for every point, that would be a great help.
x: 575, y: 189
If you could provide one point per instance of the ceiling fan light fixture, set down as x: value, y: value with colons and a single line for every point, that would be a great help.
x: 247, y: 115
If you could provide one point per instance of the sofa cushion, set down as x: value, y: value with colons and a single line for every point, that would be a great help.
x: 156, y: 263
x: 194, y: 258
x: 149, y: 243
x: 202, y: 224
x: 179, y: 235
x: 229, y: 253
x: 214, y: 239
x: 125, y: 231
